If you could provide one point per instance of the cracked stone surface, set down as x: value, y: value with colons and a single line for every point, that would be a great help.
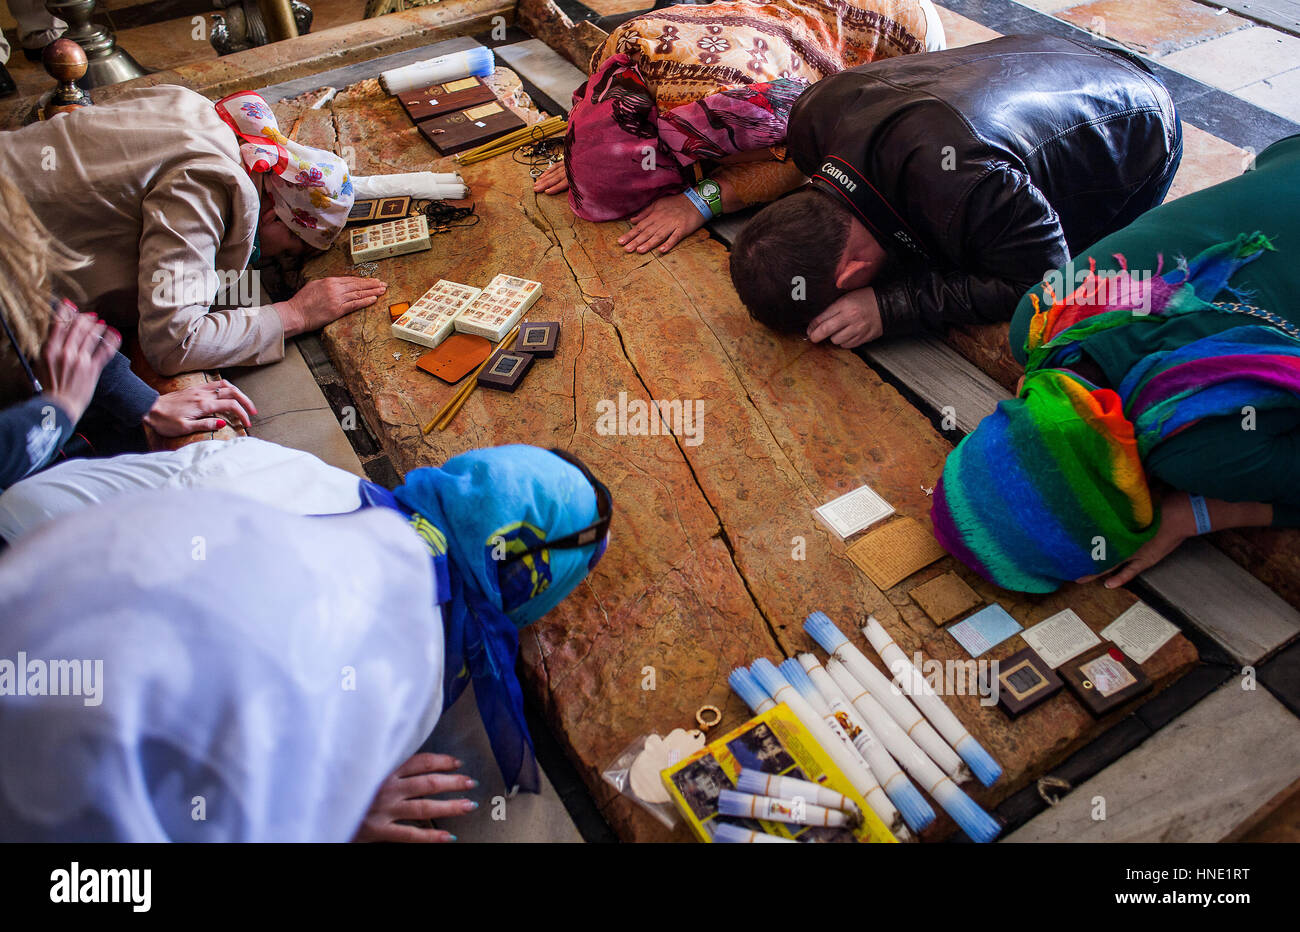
x: 716, y: 557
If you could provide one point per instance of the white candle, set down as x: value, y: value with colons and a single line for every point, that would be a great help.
x: 476, y: 61
x: 837, y: 644
x: 727, y: 833
x: 968, y: 815
x: 916, y: 811
x: 910, y: 680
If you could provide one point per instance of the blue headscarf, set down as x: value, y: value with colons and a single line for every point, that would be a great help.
x: 473, y: 511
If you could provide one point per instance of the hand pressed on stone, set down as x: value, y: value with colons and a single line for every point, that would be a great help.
x: 552, y: 181
x: 325, y: 300
x: 401, y: 798
x: 668, y: 221
x: 190, y: 410
x: 1177, y: 523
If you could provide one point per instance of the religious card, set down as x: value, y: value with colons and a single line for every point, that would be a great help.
x: 894, y: 552
x: 1060, y: 637
x: 1139, y: 632
x: 984, y: 630
x: 853, y: 511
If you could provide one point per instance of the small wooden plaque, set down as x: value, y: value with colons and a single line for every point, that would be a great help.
x: 1103, y: 679
x: 538, y: 338
x: 944, y: 597
x: 894, y: 552
x: 1024, y: 681
x: 505, y: 370
x: 465, y: 129
x: 437, y: 99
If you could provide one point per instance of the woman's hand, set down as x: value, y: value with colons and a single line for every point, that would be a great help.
x: 1177, y: 523
x: 325, y: 300
x: 668, y: 221
x: 552, y: 181
x: 401, y: 799
x: 76, y: 350
x: 851, y: 321
x: 191, y: 410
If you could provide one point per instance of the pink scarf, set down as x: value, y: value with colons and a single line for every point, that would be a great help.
x: 622, y: 154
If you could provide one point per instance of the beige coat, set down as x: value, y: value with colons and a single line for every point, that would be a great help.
x: 152, y: 188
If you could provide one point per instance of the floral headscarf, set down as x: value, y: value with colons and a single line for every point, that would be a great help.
x: 311, y: 189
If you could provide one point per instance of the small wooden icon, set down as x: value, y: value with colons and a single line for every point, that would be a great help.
x: 1103, y: 678
x: 538, y: 338
x: 505, y: 370
x: 1024, y: 681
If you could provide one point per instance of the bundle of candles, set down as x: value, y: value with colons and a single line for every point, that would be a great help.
x: 477, y: 61
x: 535, y: 133
x: 875, y: 735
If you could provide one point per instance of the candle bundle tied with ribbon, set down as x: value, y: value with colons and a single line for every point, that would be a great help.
x: 796, y: 811
x: 916, y: 811
x: 774, y: 784
x: 910, y: 680
x: 969, y: 816
x: 836, y: 643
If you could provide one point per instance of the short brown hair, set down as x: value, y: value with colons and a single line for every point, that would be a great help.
x: 801, y: 236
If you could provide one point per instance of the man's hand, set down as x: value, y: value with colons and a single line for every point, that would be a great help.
x: 667, y: 221
x: 76, y: 350
x: 552, y: 181
x: 190, y: 410
x: 324, y: 301
x: 851, y: 321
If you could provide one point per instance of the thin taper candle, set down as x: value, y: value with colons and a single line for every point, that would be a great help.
x: 836, y: 643
x: 911, y: 681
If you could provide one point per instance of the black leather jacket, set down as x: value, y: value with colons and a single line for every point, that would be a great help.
x: 982, y: 168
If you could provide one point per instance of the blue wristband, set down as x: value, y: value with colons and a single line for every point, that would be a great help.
x: 1202, y: 513
x: 700, y: 203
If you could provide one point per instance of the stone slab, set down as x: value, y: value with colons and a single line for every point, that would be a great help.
x: 549, y: 73
x: 716, y: 556
x: 1193, y: 781
x: 293, y: 412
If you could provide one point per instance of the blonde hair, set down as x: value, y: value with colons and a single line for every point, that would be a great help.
x: 31, y: 261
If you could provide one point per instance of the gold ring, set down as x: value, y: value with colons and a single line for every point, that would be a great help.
x: 706, y: 724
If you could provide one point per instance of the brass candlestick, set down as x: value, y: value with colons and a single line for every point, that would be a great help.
x: 65, y: 62
x: 107, y: 63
